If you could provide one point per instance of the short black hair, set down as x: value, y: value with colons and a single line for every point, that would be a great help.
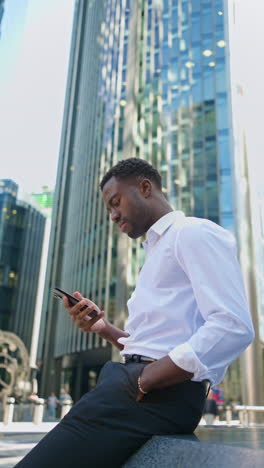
x: 132, y: 167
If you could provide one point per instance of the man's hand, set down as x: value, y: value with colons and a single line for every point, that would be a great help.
x: 79, y: 314
x: 160, y: 374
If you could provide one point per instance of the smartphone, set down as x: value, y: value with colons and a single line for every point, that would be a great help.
x: 59, y: 293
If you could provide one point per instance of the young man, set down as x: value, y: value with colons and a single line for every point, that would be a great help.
x: 187, y: 320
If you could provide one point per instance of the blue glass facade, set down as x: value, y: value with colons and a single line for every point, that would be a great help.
x: 183, y: 104
x: 21, y: 236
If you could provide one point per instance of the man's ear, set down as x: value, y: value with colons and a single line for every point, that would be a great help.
x: 146, y: 188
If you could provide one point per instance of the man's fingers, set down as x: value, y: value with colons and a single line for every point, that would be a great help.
x: 82, y: 312
x: 92, y: 321
x: 75, y: 310
x: 140, y: 396
x: 85, y: 323
x: 78, y: 295
x: 79, y: 313
x: 66, y: 302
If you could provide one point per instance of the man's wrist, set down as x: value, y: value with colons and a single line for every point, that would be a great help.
x: 162, y: 373
x: 112, y: 334
x: 104, y: 332
x: 140, y: 386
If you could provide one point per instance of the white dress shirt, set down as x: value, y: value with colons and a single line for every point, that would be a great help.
x: 189, y: 301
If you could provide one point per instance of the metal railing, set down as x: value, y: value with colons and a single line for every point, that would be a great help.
x: 11, y: 410
x: 245, y: 410
x: 10, y: 413
x: 243, y: 413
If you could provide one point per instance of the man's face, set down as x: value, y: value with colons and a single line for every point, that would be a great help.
x: 128, y: 206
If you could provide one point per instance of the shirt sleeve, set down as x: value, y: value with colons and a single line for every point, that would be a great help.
x: 207, y: 254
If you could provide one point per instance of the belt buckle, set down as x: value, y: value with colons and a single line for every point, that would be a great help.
x: 207, y: 385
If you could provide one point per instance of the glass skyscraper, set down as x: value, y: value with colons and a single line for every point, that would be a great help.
x: 183, y: 103
x: 147, y: 79
x: 21, y: 236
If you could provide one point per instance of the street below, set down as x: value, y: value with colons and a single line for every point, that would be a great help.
x: 13, y: 447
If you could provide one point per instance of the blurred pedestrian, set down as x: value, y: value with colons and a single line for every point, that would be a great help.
x: 64, y: 396
x: 52, y: 403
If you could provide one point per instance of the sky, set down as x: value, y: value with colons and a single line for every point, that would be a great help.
x: 247, y: 66
x: 34, y: 53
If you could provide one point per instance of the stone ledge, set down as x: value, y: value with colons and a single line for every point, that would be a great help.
x: 189, y: 452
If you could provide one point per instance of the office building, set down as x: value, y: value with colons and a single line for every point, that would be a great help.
x: 147, y: 79
x: 21, y: 236
x: 44, y: 201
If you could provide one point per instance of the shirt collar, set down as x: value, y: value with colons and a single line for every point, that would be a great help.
x: 165, y: 222
x: 160, y: 226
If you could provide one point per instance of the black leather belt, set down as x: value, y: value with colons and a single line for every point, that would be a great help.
x: 137, y: 358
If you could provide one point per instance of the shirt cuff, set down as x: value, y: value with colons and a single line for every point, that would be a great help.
x: 185, y: 357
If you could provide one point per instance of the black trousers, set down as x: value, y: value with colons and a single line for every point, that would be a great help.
x: 107, y: 425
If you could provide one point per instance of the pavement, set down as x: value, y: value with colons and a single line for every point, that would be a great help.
x: 13, y: 447
x: 26, y: 427
x: 17, y: 439
x: 245, y: 445
x: 244, y: 437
